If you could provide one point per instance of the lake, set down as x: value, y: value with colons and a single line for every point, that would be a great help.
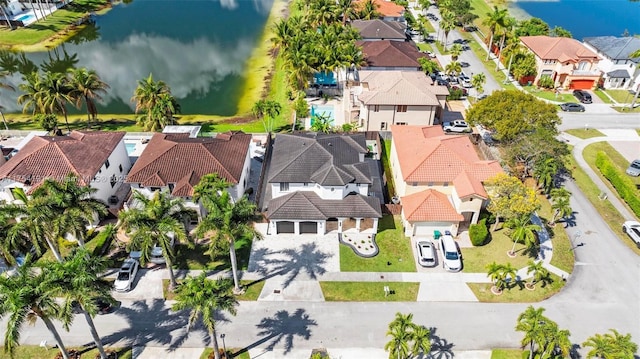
x: 584, y: 18
x: 199, y: 48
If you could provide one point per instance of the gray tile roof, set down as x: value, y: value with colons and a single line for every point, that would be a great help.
x: 615, y: 48
x: 307, y: 205
x: 380, y: 29
x: 619, y: 74
x: 326, y: 159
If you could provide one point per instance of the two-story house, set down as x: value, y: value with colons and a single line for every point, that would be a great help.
x: 388, y: 10
x: 176, y: 161
x: 388, y: 55
x: 439, y: 179
x: 376, y: 30
x: 620, y: 71
x: 318, y: 183
x: 98, y: 159
x: 384, y: 98
x: 569, y: 63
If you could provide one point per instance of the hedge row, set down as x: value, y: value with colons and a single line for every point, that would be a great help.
x: 624, y: 186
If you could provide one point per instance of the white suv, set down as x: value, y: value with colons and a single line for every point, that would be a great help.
x: 459, y: 126
x: 465, y: 81
x: 632, y: 229
x: 634, y: 168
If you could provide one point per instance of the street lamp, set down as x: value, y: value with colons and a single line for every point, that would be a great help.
x: 224, y: 347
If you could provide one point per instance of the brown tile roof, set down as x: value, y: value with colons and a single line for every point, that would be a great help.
x: 307, y: 205
x: 81, y: 152
x: 399, y: 88
x: 426, y: 154
x: 388, y: 53
x: 178, y: 159
x: 385, y: 7
x: 380, y: 29
x: 429, y: 206
x: 562, y: 49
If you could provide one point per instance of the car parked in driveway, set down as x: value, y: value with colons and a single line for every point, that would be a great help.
x: 126, y: 275
x: 452, y: 258
x: 634, y: 168
x: 632, y: 229
x: 426, y: 253
x: 458, y: 126
x: 572, y: 107
x: 582, y: 96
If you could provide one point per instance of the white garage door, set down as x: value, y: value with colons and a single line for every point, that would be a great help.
x: 427, y: 229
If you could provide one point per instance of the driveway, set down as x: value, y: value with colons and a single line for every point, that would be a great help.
x: 148, y: 284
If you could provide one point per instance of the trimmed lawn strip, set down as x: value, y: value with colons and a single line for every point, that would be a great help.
x: 196, y: 257
x: 606, y: 210
x: 516, y: 294
x: 34, y: 351
x: 395, y: 249
x: 386, y: 165
x: 235, y: 353
x: 369, y: 291
x: 584, y: 134
x: 563, y: 256
x: 550, y: 94
x: 601, y: 95
x: 619, y: 96
x: 509, y: 354
x: 625, y: 109
x: 253, y: 289
x: 476, y: 259
x: 618, y: 160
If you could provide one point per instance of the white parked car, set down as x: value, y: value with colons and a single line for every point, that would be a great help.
x: 632, y: 229
x: 452, y: 258
x: 126, y: 275
x: 459, y: 126
x: 426, y: 253
x: 465, y: 81
x: 634, y: 168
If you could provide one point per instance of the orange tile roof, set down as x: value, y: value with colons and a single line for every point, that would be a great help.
x: 562, y: 49
x: 429, y: 206
x: 426, y: 154
x: 386, y: 7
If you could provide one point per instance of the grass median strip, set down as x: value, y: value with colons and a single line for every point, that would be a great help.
x: 369, y: 291
x: 252, y: 290
x: 584, y: 133
x: 508, y: 354
x: 517, y: 294
x: 34, y: 351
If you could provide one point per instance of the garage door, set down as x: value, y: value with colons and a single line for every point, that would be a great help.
x: 284, y: 227
x: 581, y: 84
x: 309, y: 227
x: 426, y: 229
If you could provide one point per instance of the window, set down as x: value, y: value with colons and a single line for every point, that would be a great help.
x: 401, y: 108
x: 383, y: 125
x: 171, y: 185
x: 284, y: 186
x: 583, y: 65
x: 114, y: 180
x: 153, y: 189
x: 376, y: 108
x: 414, y: 184
x: 430, y: 184
x: 446, y: 184
x: 305, y: 184
x: 401, y: 123
x: 107, y: 164
x: 120, y: 167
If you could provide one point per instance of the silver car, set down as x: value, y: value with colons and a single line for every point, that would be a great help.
x: 632, y: 229
x: 459, y: 126
x: 426, y: 253
x: 634, y: 168
x: 126, y: 275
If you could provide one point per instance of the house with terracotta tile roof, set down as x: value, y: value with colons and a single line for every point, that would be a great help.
x: 319, y: 183
x: 384, y: 98
x: 619, y: 69
x: 98, y: 159
x: 438, y: 178
x: 377, y: 29
x: 388, y: 10
x: 175, y: 162
x: 387, y: 55
x: 567, y: 61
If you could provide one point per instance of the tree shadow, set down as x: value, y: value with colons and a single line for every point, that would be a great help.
x: 569, y: 221
x: 440, y: 347
x: 283, y: 327
x: 574, y: 352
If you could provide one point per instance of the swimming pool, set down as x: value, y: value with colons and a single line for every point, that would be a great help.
x: 26, y: 18
x: 324, y: 111
x: 131, y: 147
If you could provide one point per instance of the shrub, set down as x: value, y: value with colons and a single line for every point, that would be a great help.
x: 478, y: 232
x: 455, y: 94
x: 624, y: 186
x: 103, y: 240
x: 545, y: 82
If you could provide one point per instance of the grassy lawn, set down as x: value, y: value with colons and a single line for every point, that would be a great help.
x: 584, y: 134
x: 563, y: 257
x: 195, y: 258
x: 386, y: 164
x: 601, y: 94
x: 475, y: 259
x: 395, y: 248
x: 55, y: 28
x: 251, y: 294
x: 509, y: 354
x: 36, y: 352
x: 550, y: 94
x: 620, y: 96
x: 369, y: 291
x: 235, y: 353
x: 626, y: 109
x: 606, y: 210
x: 618, y: 160
x: 517, y: 294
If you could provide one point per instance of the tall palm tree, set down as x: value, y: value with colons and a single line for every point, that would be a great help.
x: 522, y: 230
x: 455, y: 50
x: 398, y: 346
x: 155, y: 221
x: 55, y: 96
x: 73, y: 206
x: 369, y: 10
x: 346, y: 9
x: 146, y: 96
x: 494, y: 20
x: 79, y: 281
x: 86, y: 86
x: 203, y: 298
x: 447, y: 24
x: 531, y: 322
x: 545, y: 173
x: 477, y: 81
x: 6, y: 86
x: 540, y: 273
x: 32, y: 93
x: 26, y: 296
x: 267, y: 111
x: 225, y: 221
x: 453, y: 68
x: 163, y: 111
x: 507, y: 26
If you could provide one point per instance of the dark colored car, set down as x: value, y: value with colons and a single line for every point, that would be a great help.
x: 572, y: 107
x: 582, y: 96
x: 464, y: 64
x: 103, y: 306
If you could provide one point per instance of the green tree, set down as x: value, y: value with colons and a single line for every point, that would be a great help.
x: 87, y: 87
x: 501, y: 274
x: 522, y: 230
x: 369, y: 10
x: 155, y: 221
x: 428, y: 66
x: 560, y: 203
x: 80, y: 282
x: 6, y: 86
x: 31, y: 97
x: 532, y: 27
x: 203, y: 298
x: 512, y: 113
x: 610, y: 346
x: 55, y: 90
x: 321, y: 123
x: 494, y: 20
x: 560, y: 32
x: 407, y: 338
x: 538, y: 271
x: 26, y: 296
x: 447, y: 23
x: 529, y: 149
x: 523, y: 64
x: 48, y: 122
x: 545, y: 172
x: 531, y: 322
x: 455, y: 51
x: 346, y: 10
x: 477, y: 81
x: 225, y: 221
x: 146, y: 97
x: 453, y: 68
x: 510, y: 198
x: 267, y: 111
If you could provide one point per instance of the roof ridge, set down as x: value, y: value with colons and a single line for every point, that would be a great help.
x: 66, y: 159
x: 224, y: 168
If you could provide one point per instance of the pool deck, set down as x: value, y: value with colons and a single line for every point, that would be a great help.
x: 338, y: 114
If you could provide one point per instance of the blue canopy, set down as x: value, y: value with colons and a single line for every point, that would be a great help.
x: 324, y: 78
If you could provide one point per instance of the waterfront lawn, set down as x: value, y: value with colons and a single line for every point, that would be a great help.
x: 585, y: 133
x: 395, y: 251
x: 57, y: 26
x: 34, y: 351
x: 518, y: 293
x: 369, y: 291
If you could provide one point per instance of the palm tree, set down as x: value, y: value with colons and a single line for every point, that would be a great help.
x: 455, y: 50
x: 494, y: 20
x: 407, y: 337
x: 522, y: 230
x: 203, y: 298
x: 26, y: 296
x: 369, y: 10
x: 545, y: 173
x: 163, y: 111
x: 225, y: 221
x: 55, y: 96
x: 453, y: 68
x: 447, y: 24
x: 421, y: 337
x: 398, y: 346
x: 540, y: 273
x: 624, y: 346
x: 477, y: 81
x: 4, y: 85
x: 155, y: 221
x: 267, y: 111
x: 31, y: 97
x: 87, y: 86
x: 499, y: 273
x: 346, y: 9
x: 146, y: 96
x: 321, y: 123
x: 428, y: 66
x: 507, y: 25
x: 601, y: 346
x: 79, y: 280
x: 531, y: 322
x: 561, y: 205
x: 611, y: 346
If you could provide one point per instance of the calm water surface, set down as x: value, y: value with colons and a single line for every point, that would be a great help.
x: 199, y: 48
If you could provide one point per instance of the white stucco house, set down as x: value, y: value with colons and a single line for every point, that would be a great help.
x: 318, y: 183
x: 619, y: 70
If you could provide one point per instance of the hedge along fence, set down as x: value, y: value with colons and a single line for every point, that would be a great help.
x: 624, y: 186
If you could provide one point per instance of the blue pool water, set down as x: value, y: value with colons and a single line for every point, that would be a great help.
x: 323, y: 110
x: 130, y: 147
x: 26, y: 18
